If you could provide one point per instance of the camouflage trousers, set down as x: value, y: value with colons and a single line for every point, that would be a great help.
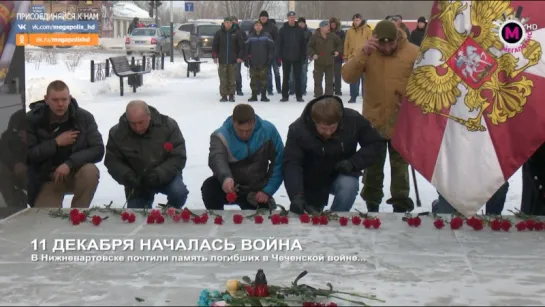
x: 228, y: 79
x: 258, y: 79
x: 373, y: 182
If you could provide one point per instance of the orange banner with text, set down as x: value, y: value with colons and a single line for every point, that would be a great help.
x: 57, y: 39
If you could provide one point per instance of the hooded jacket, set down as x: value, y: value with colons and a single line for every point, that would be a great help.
x: 44, y: 156
x: 309, y: 162
x: 128, y: 152
x: 355, y: 38
x: 228, y: 45
x: 255, y: 165
x: 385, y: 82
x: 324, y: 48
x: 340, y: 33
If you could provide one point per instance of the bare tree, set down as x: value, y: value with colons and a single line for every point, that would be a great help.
x: 241, y: 9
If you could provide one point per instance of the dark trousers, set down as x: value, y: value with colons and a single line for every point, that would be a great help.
x: 214, y: 197
x: 338, y: 78
x: 287, y: 66
x: 239, y: 77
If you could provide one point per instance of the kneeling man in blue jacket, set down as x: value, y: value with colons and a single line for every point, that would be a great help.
x: 246, y: 158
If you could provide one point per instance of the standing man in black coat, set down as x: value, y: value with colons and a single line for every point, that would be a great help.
x: 417, y: 36
x: 236, y: 25
x: 269, y: 26
x: 228, y: 51
x: 64, y: 145
x: 321, y: 156
x: 291, y: 49
x: 335, y: 27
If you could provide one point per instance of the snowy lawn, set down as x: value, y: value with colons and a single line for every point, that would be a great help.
x: 193, y: 102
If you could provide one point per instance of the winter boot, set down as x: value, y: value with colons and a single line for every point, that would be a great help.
x: 284, y: 99
x: 352, y: 100
x: 253, y: 98
x: 223, y: 99
x: 232, y: 98
x: 300, y: 99
x: 264, y: 97
x: 240, y: 93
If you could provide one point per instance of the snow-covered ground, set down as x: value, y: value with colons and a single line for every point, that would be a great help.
x: 193, y: 102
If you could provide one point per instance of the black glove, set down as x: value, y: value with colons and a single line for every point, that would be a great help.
x: 298, y: 204
x: 344, y: 167
x: 131, y: 181
x: 150, y: 179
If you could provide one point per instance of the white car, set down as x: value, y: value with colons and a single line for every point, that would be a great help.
x: 182, y: 34
x: 148, y: 40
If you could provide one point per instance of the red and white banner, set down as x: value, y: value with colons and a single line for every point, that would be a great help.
x: 475, y: 106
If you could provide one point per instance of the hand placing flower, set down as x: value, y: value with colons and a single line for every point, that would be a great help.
x: 168, y: 146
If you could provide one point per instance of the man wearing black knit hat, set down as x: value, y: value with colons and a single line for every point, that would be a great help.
x: 270, y: 27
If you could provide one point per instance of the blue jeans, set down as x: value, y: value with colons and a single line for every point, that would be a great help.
x: 355, y: 89
x: 494, y: 205
x: 304, y: 73
x: 345, y: 188
x: 176, y: 192
x: 274, y: 67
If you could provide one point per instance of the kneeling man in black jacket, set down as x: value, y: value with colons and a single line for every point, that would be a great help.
x: 321, y: 156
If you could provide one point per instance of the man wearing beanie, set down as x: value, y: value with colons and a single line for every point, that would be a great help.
x: 324, y: 47
x: 356, y: 36
x: 384, y: 90
x: 418, y: 34
x: 270, y: 27
x: 227, y: 50
x: 291, y: 48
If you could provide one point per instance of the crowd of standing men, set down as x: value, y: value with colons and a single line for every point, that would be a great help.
x: 265, y: 49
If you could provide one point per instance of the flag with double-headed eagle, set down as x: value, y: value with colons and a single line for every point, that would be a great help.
x: 474, y: 110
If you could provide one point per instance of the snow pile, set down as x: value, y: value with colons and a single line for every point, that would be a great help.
x: 82, y: 88
x: 129, y: 10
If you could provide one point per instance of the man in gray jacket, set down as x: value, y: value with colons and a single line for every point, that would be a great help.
x: 146, y: 154
x: 246, y: 158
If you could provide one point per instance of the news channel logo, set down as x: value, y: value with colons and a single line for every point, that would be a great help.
x: 515, y: 34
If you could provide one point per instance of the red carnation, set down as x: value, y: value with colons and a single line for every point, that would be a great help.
x: 506, y: 225
x: 96, y: 220
x: 238, y: 218
x: 204, y: 218
x: 343, y: 220
x: 75, y: 221
x: 185, y: 215
x: 258, y: 219
x: 132, y: 218
x: 82, y: 217
x: 275, y: 219
x: 439, y: 223
x: 218, y: 220
x: 176, y: 218
x: 456, y: 223
x: 168, y: 146
x: 521, y: 226
x: 539, y: 226
x: 367, y: 223
x: 197, y: 220
x: 324, y: 220
x: 530, y: 224
x: 125, y: 216
x: 74, y: 214
x: 376, y: 223
x: 356, y: 220
x: 159, y: 219
x: 284, y: 219
x: 316, y: 220
x: 231, y: 197
x: 495, y: 225
x: 304, y: 218
x: 150, y: 219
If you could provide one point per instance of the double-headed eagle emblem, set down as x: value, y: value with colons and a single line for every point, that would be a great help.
x: 473, y: 59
